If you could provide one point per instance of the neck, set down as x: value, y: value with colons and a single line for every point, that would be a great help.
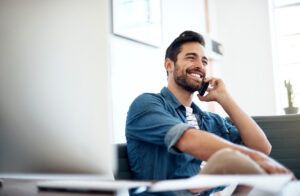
x: 185, y: 97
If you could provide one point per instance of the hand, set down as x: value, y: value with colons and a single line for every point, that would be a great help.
x: 216, y: 91
x: 270, y: 165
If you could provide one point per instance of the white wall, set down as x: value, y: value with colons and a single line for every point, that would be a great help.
x: 54, y: 78
x: 137, y: 68
x: 243, y: 27
x: 179, y: 16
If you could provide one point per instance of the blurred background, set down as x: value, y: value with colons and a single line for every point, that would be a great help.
x: 253, y: 45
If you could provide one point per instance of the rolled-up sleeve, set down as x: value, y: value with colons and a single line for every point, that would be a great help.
x: 174, y: 135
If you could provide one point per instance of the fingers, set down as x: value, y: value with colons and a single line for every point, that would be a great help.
x: 214, y: 84
x: 273, y: 167
x: 213, y: 91
x: 212, y: 81
x: 270, y: 165
x: 276, y: 169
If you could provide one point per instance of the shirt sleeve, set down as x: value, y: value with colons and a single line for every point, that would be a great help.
x: 173, y: 136
x: 148, y: 120
x: 234, y: 134
x: 221, y: 127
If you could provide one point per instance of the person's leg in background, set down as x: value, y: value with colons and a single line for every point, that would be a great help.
x: 228, y: 161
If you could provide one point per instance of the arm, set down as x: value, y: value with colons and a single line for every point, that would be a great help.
x: 202, y: 144
x: 250, y: 132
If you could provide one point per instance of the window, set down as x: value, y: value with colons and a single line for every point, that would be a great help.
x: 287, y: 43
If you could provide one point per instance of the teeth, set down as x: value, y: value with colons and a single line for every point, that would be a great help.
x: 197, y: 75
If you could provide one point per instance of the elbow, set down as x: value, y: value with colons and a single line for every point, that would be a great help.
x: 265, y: 148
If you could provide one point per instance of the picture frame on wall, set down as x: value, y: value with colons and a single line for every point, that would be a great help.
x: 138, y: 20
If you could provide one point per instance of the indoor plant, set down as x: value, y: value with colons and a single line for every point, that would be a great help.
x: 290, y: 95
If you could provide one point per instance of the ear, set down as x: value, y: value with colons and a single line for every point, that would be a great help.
x: 169, y: 65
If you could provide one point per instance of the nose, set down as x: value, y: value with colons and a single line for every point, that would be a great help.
x: 199, y: 64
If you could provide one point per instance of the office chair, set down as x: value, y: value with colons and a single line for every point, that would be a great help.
x: 123, y: 170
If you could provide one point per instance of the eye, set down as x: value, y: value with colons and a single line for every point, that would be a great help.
x: 204, y: 62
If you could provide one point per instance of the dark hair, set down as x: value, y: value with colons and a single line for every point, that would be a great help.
x: 187, y: 36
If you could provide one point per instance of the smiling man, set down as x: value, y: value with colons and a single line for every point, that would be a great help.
x: 168, y: 136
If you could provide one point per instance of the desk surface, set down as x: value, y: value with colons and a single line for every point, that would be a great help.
x: 28, y: 187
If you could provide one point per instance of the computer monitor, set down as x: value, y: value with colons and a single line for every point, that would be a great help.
x: 55, y: 89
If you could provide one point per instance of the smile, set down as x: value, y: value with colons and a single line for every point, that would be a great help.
x: 196, y: 75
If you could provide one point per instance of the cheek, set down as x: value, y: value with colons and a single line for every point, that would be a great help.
x: 205, y: 70
x: 182, y: 66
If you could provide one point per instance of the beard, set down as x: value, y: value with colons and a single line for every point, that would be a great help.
x: 181, y: 78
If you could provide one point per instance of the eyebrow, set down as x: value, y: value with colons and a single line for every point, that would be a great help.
x: 191, y: 54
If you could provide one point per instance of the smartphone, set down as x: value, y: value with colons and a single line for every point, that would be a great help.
x: 203, y: 88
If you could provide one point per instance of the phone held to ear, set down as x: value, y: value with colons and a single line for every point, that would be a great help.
x: 203, y: 88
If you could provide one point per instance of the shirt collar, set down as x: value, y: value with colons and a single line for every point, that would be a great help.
x: 166, y: 93
x: 196, y: 109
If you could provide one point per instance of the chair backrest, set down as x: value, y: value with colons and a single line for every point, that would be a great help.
x: 123, y: 168
x: 283, y: 133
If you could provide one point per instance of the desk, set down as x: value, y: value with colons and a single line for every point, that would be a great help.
x: 12, y: 187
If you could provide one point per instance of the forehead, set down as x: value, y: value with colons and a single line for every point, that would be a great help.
x: 192, y: 47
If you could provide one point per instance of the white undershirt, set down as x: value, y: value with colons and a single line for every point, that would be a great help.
x: 192, y: 120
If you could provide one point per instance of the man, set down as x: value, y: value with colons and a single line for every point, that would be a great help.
x: 168, y: 136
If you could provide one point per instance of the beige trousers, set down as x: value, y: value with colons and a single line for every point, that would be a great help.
x: 228, y: 161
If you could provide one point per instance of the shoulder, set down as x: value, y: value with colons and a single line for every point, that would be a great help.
x: 148, y: 99
x: 144, y: 105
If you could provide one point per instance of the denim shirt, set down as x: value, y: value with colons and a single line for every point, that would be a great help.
x: 154, y: 124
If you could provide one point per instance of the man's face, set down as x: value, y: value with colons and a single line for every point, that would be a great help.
x: 190, y: 67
